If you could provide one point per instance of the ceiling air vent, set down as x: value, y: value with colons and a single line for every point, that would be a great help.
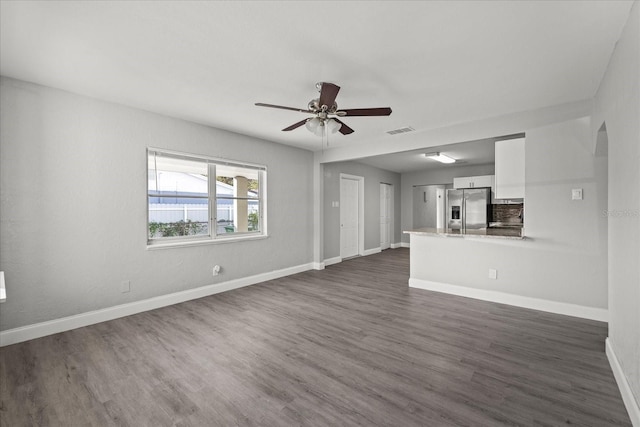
x: 401, y: 130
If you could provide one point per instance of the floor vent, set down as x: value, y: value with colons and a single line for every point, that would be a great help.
x: 401, y: 130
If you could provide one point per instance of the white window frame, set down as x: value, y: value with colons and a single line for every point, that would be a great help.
x: 213, y: 237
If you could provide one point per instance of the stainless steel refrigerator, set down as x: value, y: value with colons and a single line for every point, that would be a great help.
x: 468, y: 209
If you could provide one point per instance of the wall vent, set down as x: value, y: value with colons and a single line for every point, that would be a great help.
x: 401, y: 130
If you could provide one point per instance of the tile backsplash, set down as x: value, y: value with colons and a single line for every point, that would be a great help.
x: 508, y: 212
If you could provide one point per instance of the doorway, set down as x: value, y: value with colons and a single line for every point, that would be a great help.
x: 351, y: 215
x: 429, y: 206
x: 386, y: 201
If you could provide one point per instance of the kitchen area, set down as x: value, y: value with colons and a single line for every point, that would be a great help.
x: 491, y: 205
x: 536, y: 238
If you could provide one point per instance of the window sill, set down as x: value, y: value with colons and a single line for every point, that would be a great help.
x: 204, y: 242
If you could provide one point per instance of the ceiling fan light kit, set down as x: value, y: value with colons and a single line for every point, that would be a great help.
x: 325, y: 112
x: 442, y: 158
x: 333, y: 125
x: 317, y: 125
x: 313, y: 124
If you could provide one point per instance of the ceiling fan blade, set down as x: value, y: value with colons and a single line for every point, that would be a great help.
x: 328, y: 93
x: 365, y: 112
x: 295, y: 125
x: 344, y: 129
x: 260, y: 104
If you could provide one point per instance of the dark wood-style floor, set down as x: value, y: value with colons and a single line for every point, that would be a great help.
x: 350, y: 345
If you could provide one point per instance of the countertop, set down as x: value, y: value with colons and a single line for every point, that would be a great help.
x: 489, y: 233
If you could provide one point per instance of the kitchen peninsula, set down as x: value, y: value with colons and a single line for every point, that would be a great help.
x: 560, y: 263
x: 489, y: 233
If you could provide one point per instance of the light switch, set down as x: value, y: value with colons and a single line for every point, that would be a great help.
x: 576, y: 194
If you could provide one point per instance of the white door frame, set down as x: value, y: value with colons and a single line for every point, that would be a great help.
x: 360, y: 180
x: 389, y: 206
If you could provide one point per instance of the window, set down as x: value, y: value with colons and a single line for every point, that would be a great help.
x: 200, y: 199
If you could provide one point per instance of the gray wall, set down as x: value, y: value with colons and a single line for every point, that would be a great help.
x: 617, y: 104
x: 372, y: 179
x: 430, y: 177
x: 564, y: 257
x: 73, y: 211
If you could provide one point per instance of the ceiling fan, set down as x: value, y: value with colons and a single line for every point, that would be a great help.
x: 325, y: 112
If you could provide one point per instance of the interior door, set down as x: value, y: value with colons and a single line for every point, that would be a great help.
x: 385, y: 216
x: 349, y: 215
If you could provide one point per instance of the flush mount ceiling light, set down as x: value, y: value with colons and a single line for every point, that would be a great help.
x: 442, y: 158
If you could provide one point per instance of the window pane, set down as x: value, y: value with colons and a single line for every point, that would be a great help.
x: 246, y: 220
x: 178, y: 197
x: 225, y: 216
x: 234, y: 181
x: 190, y: 217
x: 176, y: 176
x: 253, y: 215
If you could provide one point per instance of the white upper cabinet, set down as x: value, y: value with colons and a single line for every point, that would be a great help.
x: 473, y: 181
x: 476, y: 182
x: 510, y: 169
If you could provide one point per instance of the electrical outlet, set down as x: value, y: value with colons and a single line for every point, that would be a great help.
x: 216, y: 270
x: 576, y: 194
x: 493, y: 273
x: 125, y: 286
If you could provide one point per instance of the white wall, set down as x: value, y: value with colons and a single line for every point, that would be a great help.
x: 617, y: 104
x: 372, y: 179
x: 564, y: 258
x: 431, y: 177
x: 73, y: 205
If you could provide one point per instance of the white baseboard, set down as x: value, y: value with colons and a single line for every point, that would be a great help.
x: 37, y: 330
x: 331, y: 261
x: 371, y: 251
x: 625, y: 390
x: 337, y: 259
x: 405, y: 244
x: 567, y: 309
x: 318, y: 265
x: 396, y: 245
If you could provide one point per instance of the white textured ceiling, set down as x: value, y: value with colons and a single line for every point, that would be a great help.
x: 480, y: 152
x: 434, y: 63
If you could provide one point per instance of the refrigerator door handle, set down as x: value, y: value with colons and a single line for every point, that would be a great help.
x: 463, y: 215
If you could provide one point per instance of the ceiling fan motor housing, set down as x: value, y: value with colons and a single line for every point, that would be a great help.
x: 314, y: 105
